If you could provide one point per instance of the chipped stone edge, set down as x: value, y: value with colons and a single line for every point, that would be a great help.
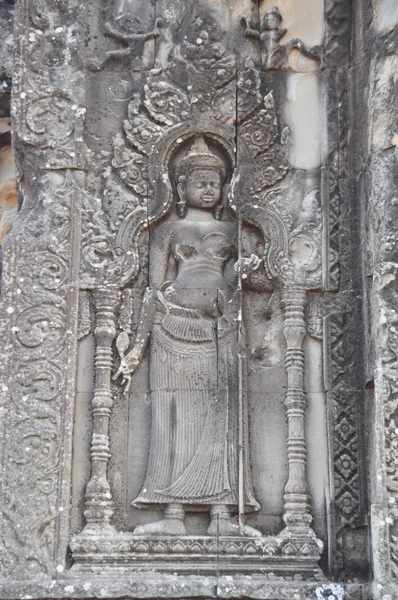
x: 153, y: 585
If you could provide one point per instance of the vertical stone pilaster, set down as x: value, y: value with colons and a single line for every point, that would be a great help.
x: 99, y: 505
x: 297, y: 514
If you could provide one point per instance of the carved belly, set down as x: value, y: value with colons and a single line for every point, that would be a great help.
x: 204, y: 299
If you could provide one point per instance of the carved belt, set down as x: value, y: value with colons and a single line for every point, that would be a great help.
x: 188, y: 324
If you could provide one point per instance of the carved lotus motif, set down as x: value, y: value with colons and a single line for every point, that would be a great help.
x: 259, y: 132
x: 142, y: 133
x: 345, y: 429
x: 347, y: 503
x: 166, y: 103
x: 346, y: 466
x: 51, y: 119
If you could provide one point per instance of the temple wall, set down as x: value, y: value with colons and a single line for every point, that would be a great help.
x: 247, y: 332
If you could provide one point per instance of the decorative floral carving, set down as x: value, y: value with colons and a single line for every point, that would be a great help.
x: 248, y: 91
x: 43, y: 113
x: 166, y: 103
x: 37, y: 386
x: 345, y: 433
x: 37, y: 379
x: 142, y: 133
x: 260, y: 132
x: 41, y: 327
x: 131, y: 167
x: 48, y: 108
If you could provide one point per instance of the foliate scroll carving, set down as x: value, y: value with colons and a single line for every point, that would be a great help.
x: 142, y: 133
x: 390, y: 404
x: 49, y: 106
x: 345, y: 430
x: 131, y: 167
x: 38, y: 387
x: 166, y: 103
x: 260, y: 132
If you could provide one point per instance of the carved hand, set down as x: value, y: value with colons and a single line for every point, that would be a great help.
x: 243, y: 265
x: 128, y: 365
x: 249, y: 31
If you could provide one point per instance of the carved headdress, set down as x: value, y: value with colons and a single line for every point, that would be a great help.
x: 200, y: 157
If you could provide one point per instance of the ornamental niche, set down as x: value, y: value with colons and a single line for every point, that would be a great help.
x: 206, y: 224
x: 176, y: 329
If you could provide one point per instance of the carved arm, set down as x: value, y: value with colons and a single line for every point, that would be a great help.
x: 118, y: 35
x: 249, y: 31
x: 131, y: 361
x: 314, y: 53
x: 131, y: 37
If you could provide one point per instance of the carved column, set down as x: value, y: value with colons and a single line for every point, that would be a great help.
x: 297, y: 514
x: 99, y: 505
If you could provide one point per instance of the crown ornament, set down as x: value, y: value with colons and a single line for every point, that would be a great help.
x: 199, y: 157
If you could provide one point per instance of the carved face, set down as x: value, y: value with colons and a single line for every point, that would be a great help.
x: 203, y: 188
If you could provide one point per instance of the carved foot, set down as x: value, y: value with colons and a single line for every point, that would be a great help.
x: 230, y: 528
x: 162, y: 527
x: 222, y: 525
x: 172, y: 524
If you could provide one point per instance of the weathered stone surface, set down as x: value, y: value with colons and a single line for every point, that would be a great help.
x: 6, y: 50
x: 198, y: 311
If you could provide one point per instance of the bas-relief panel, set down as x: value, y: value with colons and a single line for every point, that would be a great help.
x: 199, y: 258
x: 253, y: 259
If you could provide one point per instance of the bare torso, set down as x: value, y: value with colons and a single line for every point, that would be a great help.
x: 200, y: 258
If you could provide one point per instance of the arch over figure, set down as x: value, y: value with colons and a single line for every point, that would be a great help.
x: 192, y: 329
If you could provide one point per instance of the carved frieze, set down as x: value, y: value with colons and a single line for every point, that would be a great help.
x: 189, y: 228
x: 172, y: 131
x: 49, y: 106
x: 293, y: 55
x: 39, y: 314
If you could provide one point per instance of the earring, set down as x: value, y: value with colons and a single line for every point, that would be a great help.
x: 181, y: 207
x: 218, y: 211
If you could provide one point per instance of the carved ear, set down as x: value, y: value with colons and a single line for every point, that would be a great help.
x: 182, y: 190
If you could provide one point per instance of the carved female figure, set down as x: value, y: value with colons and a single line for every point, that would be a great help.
x: 190, y: 316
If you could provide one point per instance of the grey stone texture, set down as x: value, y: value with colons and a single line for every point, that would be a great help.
x: 6, y: 52
x: 198, y: 308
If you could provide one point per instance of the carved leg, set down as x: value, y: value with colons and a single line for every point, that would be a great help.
x: 99, y: 505
x: 222, y: 524
x: 297, y: 515
x: 171, y: 524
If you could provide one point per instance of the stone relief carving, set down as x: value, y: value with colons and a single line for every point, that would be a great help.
x: 50, y: 110
x: 274, y: 55
x: 390, y: 404
x: 37, y: 386
x: 176, y: 157
x: 130, y: 38
x: 192, y: 375
x: 138, y: 196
